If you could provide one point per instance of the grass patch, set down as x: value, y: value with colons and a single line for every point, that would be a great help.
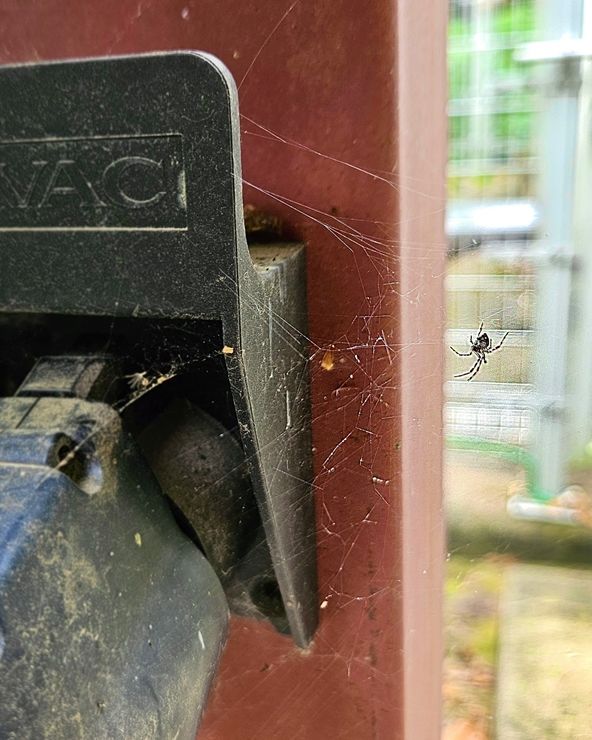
x: 472, y: 589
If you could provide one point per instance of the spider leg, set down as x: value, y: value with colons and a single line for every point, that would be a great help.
x: 476, y: 370
x: 493, y: 349
x: 461, y: 354
x: 473, y: 371
x: 480, y: 329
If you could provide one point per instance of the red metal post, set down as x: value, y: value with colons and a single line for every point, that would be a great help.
x: 343, y: 131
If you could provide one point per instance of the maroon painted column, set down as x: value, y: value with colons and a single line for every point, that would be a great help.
x: 343, y: 131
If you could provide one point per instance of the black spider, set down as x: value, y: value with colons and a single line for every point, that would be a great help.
x: 480, y: 347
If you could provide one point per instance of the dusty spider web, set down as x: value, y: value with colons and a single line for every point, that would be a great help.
x: 361, y: 356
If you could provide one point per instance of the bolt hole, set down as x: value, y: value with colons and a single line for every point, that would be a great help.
x: 81, y: 468
x: 70, y: 462
x: 63, y: 452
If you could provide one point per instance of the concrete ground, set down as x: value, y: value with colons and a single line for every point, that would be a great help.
x: 544, y: 675
x: 486, y: 545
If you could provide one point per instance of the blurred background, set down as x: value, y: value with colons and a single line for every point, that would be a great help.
x: 519, y: 434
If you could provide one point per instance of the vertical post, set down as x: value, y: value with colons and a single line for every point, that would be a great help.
x: 561, y: 18
x: 343, y: 122
x: 580, y: 356
x: 421, y: 159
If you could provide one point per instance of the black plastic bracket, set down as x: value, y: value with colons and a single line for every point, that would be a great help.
x: 120, y: 196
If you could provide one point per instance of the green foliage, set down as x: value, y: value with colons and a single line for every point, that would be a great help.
x: 483, y: 641
x: 510, y: 132
x: 512, y: 17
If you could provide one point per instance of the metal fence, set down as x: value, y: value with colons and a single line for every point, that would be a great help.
x: 519, y: 228
x: 492, y: 216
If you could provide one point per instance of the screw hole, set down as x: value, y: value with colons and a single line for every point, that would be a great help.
x: 81, y: 468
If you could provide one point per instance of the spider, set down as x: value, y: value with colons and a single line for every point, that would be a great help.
x: 480, y: 347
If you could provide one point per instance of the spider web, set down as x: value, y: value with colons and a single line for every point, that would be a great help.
x: 355, y: 361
